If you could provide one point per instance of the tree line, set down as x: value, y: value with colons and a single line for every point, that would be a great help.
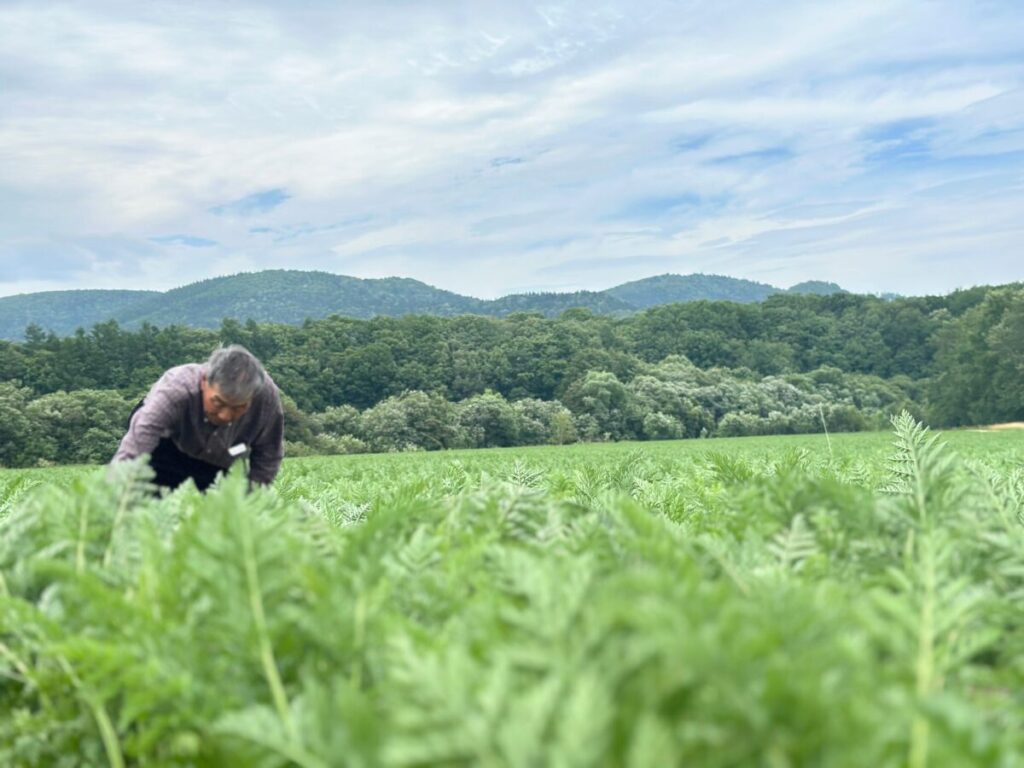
x: 790, y: 363
x: 668, y: 400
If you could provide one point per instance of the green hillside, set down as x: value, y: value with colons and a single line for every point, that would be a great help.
x: 554, y: 304
x: 293, y: 296
x: 817, y: 287
x: 63, y: 311
x: 669, y: 289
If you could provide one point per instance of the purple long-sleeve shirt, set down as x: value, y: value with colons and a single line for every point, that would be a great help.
x: 174, y: 409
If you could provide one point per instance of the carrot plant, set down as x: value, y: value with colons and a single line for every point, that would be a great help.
x: 622, y: 607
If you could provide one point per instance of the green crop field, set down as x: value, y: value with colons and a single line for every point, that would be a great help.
x: 784, y: 601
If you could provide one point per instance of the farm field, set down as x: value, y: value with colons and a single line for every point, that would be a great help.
x: 777, y: 601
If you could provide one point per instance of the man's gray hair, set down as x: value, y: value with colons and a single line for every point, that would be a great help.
x: 236, y: 372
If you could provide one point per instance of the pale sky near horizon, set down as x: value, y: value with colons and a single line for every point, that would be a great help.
x: 491, y: 148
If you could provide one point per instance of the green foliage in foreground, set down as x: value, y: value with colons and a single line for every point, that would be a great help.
x: 582, y: 606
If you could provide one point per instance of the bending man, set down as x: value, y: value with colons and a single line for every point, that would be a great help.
x: 197, y: 420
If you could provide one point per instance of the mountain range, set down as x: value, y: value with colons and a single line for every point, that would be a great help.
x: 291, y: 296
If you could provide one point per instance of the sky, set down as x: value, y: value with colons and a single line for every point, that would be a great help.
x: 498, y: 147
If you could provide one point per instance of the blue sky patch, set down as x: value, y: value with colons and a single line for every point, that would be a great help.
x: 190, y: 241
x: 691, y: 143
x: 551, y: 242
x: 258, y: 202
x: 899, y: 130
x: 653, y: 207
x: 756, y: 157
x: 902, y: 142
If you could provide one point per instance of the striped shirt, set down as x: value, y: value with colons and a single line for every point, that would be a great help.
x: 173, y: 409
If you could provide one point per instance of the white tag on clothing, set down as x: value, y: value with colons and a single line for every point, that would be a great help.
x: 237, y: 450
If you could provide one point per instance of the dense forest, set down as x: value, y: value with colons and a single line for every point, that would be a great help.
x: 792, y: 363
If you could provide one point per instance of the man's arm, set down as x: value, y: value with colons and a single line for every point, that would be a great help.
x: 155, y: 419
x: 268, y: 450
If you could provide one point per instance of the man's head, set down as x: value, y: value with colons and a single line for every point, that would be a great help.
x: 231, y: 379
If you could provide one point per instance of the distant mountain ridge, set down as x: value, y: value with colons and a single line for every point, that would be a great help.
x: 292, y: 296
x: 64, y: 311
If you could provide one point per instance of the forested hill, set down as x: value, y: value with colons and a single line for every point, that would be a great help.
x: 820, y: 288
x: 64, y: 311
x: 672, y: 289
x: 290, y: 297
x: 667, y: 289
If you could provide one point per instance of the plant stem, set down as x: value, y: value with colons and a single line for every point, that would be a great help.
x: 824, y: 426
x: 122, y: 506
x: 925, y: 667
x: 360, y: 632
x: 83, y: 529
x: 24, y: 671
x: 263, y: 636
x: 107, y: 731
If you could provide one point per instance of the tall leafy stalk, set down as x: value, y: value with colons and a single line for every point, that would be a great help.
x: 266, y: 649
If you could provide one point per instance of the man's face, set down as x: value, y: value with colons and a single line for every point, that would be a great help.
x: 221, y: 410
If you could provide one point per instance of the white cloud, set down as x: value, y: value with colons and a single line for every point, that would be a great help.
x: 491, y: 147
